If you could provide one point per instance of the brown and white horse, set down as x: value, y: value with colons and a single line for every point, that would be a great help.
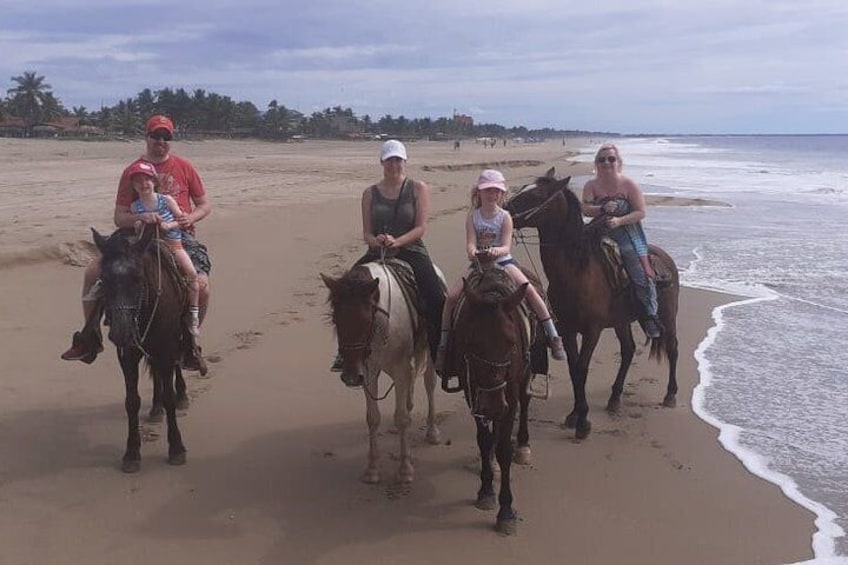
x: 378, y: 331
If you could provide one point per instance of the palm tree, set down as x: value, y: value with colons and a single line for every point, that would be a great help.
x: 33, y: 100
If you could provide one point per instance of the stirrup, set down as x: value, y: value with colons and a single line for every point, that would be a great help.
x: 543, y: 394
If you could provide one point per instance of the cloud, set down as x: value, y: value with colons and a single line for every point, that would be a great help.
x: 623, y: 66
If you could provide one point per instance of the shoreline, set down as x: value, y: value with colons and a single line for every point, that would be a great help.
x: 276, y: 443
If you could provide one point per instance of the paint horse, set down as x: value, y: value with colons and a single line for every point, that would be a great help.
x: 378, y: 331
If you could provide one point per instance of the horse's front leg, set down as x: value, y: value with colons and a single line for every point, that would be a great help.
x: 403, y: 417
x: 522, y: 452
x: 579, y: 416
x: 628, y: 348
x: 371, y: 475
x: 129, y: 358
x: 434, y: 436
x: 164, y: 371
x: 507, y: 521
x: 486, y: 494
x: 569, y: 341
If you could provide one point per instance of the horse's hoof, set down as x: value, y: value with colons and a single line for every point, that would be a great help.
x: 670, y: 401
x: 183, y: 403
x: 522, y: 455
x: 434, y: 436
x: 613, y: 406
x: 156, y: 414
x: 570, y: 421
x: 371, y: 477
x: 507, y: 526
x: 582, y: 432
x: 486, y: 502
x: 130, y: 465
x: 177, y: 458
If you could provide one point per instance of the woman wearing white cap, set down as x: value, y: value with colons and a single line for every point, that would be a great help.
x: 488, y: 228
x: 394, y: 219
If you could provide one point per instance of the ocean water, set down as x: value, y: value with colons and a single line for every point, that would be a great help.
x: 774, y: 368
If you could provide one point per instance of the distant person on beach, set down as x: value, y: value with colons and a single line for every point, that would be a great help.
x: 394, y: 220
x: 178, y: 179
x: 488, y: 232
x: 145, y: 183
x: 620, y: 200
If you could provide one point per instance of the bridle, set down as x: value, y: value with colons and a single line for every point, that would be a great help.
x: 141, y: 337
x: 531, y: 212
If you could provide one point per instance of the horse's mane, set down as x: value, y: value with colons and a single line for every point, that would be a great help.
x: 576, y: 241
x: 119, y: 243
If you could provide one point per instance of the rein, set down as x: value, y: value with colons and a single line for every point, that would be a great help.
x: 141, y: 339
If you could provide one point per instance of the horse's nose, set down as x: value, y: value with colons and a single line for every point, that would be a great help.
x: 353, y: 380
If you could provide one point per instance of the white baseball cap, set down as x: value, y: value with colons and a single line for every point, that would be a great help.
x: 392, y: 148
x: 491, y: 178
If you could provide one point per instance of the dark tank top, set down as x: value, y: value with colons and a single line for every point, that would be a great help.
x: 396, y: 216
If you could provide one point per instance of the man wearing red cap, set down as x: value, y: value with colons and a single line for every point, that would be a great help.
x: 177, y: 178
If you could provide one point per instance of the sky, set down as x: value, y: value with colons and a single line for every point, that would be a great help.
x: 637, y: 66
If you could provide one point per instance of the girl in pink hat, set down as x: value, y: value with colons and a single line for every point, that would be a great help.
x: 488, y: 234
x: 145, y: 181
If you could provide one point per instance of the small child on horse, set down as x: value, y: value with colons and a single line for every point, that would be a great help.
x: 488, y: 234
x: 145, y: 182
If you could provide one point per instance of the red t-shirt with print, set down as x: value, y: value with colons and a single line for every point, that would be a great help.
x: 177, y: 178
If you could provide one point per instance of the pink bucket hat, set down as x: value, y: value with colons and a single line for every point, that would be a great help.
x: 491, y: 178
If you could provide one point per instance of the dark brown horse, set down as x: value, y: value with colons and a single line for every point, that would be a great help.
x: 145, y: 301
x: 491, y: 349
x: 583, y: 298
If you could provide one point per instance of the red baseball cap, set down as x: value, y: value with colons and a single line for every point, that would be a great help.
x: 142, y: 168
x: 159, y: 122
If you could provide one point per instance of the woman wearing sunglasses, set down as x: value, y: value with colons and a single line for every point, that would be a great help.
x: 620, y: 201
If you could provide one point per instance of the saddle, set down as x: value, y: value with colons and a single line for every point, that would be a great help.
x: 532, y: 331
x: 409, y: 288
x: 616, y: 273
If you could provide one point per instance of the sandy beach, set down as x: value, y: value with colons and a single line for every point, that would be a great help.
x: 276, y: 443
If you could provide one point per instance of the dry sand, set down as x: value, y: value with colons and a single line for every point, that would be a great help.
x: 276, y: 443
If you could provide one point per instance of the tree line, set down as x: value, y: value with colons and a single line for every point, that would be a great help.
x: 205, y: 113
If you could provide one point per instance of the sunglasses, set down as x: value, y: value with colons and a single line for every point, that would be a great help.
x: 608, y: 159
x: 160, y: 136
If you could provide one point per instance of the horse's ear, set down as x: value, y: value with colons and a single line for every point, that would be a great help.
x: 374, y: 290
x: 512, y: 301
x: 99, y: 240
x: 329, y: 282
x: 551, y: 173
x: 565, y: 182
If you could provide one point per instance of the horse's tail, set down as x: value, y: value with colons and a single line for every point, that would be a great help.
x: 659, y: 348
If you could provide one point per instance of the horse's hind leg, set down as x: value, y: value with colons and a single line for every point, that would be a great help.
x: 628, y: 348
x: 403, y: 418
x: 522, y: 452
x: 157, y: 410
x: 176, y: 449
x: 179, y: 383
x: 131, y: 462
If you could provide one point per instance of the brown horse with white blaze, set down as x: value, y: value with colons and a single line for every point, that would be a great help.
x: 582, y: 296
